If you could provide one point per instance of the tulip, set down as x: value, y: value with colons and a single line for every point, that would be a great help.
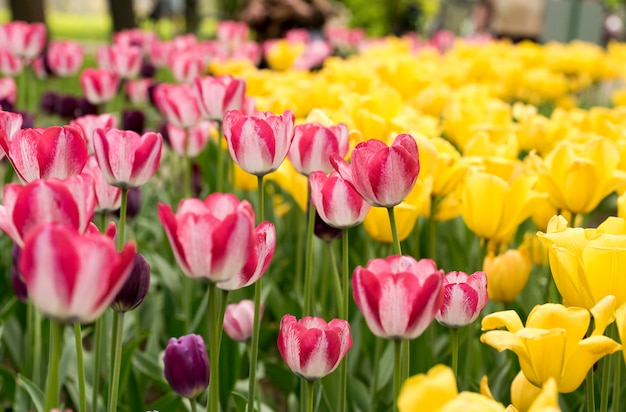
x: 72, y: 277
x: 186, y: 365
x: 211, y: 239
x: 553, y: 343
x: 232, y: 33
x: 135, y: 288
x: 8, y: 90
x: 383, y: 175
x: 26, y: 40
x: 523, y: 393
x: 134, y: 120
x: 137, y: 90
x: 258, y: 261
x: 217, y: 95
x: 89, y: 123
x: 57, y: 152
x: 258, y: 143
x: 178, y: 104
x: 311, y: 347
x: 19, y: 287
x: 99, y: 85
x: 238, y: 320
x: 186, y: 65
x: 587, y: 264
x: 108, y: 198
x: 10, y: 64
x: 463, y: 300
x: 313, y: 144
x: 398, y: 296
x: 507, y: 274
x: 10, y: 123
x: 70, y: 201
x: 127, y: 159
x: 65, y: 57
x: 123, y: 60
x: 189, y: 142
x: 336, y: 201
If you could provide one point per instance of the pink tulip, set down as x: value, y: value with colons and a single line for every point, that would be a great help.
x: 232, y: 33
x: 126, y: 158
x: 72, y: 277
x: 239, y: 319
x: 10, y: 123
x: 190, y: 142
x: 313, y: 144
x: 124, y: 60
x: 10, y: 64
x: 108, y: 197
x: 90, y: 122
x: 383, y: 175
x: 8, y: 89
x: 336, y: 201
x: 211, y: 239
x: 159, y: 52
x: 26, y: 40
x: 138, y: 90
x: 135, y: 37
x: 314, y: 55
x: 398, y: 296
x: 43, y: 153
x: 69, y: 201
x: 186, y: 65
x: 258, y: 143
x: 463, y: 300
x: 99, y: 85
x: 249, y: 50
x: 259, y: 260
x: 65, y: 57
x: 178, y: 104
x: 217, y: 95
x: 311, y: 347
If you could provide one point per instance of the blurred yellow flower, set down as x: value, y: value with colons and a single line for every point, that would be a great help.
x: 507, y: 274
x: 553, y: 343
x: 282, y: 54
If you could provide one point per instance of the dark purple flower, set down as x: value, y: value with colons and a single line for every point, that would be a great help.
x: 19, y: 286
x: 48, y: 102
x: 324, y: 231
x: 134, y: 290
x: 66, y: 106
x: 186, y: 365
x: 133, y: 120
x: 28, y: 119
x: 147, y: 70
x: 85, y: 107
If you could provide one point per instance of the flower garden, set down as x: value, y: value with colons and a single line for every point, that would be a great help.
x: 368, y: 224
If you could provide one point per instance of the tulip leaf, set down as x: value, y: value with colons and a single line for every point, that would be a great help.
x: 7, y: 384
x: 168, y: 402
x: 35, y: 393
x: 230, y: 361
x: 149, y: 366
x: 13, y: 339
x: 385, y: 366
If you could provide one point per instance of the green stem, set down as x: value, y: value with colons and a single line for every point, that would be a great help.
x: 103, y: 222
x: 220, y: 158
x: 192, y: 403
x: 186, y: 173
x: 81, y: 368
x: 455, y: 352
x: 188, y: 288
x: 572, y: 222
x: 337, y: 281
x: 397, y: 371
x: 121, y: 231
x: 343, y: 389
x: 374, y: 382
x: 214, y: 351
x: 261, y: 198
x: 406, y: 359
x: 432, y: 228
x: 52, y: 383
x: 308, y: 268
x: 118, y: 331
x: 606, y: 383
x: 394, y: 231
x: 617, y: 378
x: 37, y: 346
x: 309, y: 394
x: 97, y: 361
x: 589, y: 392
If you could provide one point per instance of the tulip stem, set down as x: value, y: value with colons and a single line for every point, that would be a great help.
x: 118, y: 331
x: 36, y: 319
x: 309, y: 395
x: 345, y: 315
x: 308, y: 293
x: 589, y: 392
x: 214, y: 351
x: 432, y: 228
x: 397, y: 371
x: 220, y: 158
x: 192, y: 403
x: 455, y: 352
x: 122, y: 229
x: 394, y: 231
x: 337, y: 281
x: 56, y: 346
x: 572, y: 222
x: 81, y: 368
x: 617, y: 380
x: 606, y: 378
x: 97, y: 361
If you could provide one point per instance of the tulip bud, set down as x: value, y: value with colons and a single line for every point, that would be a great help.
x: 66, y: 106
x: 464, y: 298
x: 239, y: 319
x: 186, y: 365
x: 48, y: 102
x: 134, y: 290
x: 507, y: 274
x: 134, y: 120
x: 324, y: 231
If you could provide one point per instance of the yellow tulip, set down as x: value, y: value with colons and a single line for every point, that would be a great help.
x: 577, y: 178
x: 553, y: 343
x: 587, y: 264
x: 283, y: 54
x: 492, y: 208
x: 523, y: 393
x: 507, y: 274
x: 376, y: 222
x: 450, y: 168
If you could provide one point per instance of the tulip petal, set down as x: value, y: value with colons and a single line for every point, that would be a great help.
x: 508, y: 319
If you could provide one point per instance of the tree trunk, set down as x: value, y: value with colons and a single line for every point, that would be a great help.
x: 122, y: 14
x: 30, y: 11
x: 192, y: 19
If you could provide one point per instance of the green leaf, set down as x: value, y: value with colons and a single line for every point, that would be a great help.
x: 230, y: 361
x: 33, y: 390
x: 7, y: 384
x: 385, y: 366
x: 168, y: 402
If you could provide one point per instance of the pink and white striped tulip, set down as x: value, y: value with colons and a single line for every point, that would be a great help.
x: 190, y: 142
x: 26, y: 40
x: 8, y: 89
x: 69, y: 201
x: 258, y: 261
x: 57, y: 152
x: 10, y: 123
x: 186, y: 65
x: 124, y: 60
x: 258, y: 143
x: 311, y: 347
x: 232, y: 33
x: 135, y: 37
x: 72, y: 277
x: 398, y: 296
x: 217, y: 95
x: 383, y: 175
x: 99, y: 85
x: 138, y: 90
x: 65, y: 57
x: 239, y: 319
x: 108, y: 198
x: 211, y: 239
x: 10, y: 64
x: 336, y: 201
x: 463, y: 300
x: 126, y: 158
x: 313, y: 144
x: 177, y: 102
x: 90, y: 122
